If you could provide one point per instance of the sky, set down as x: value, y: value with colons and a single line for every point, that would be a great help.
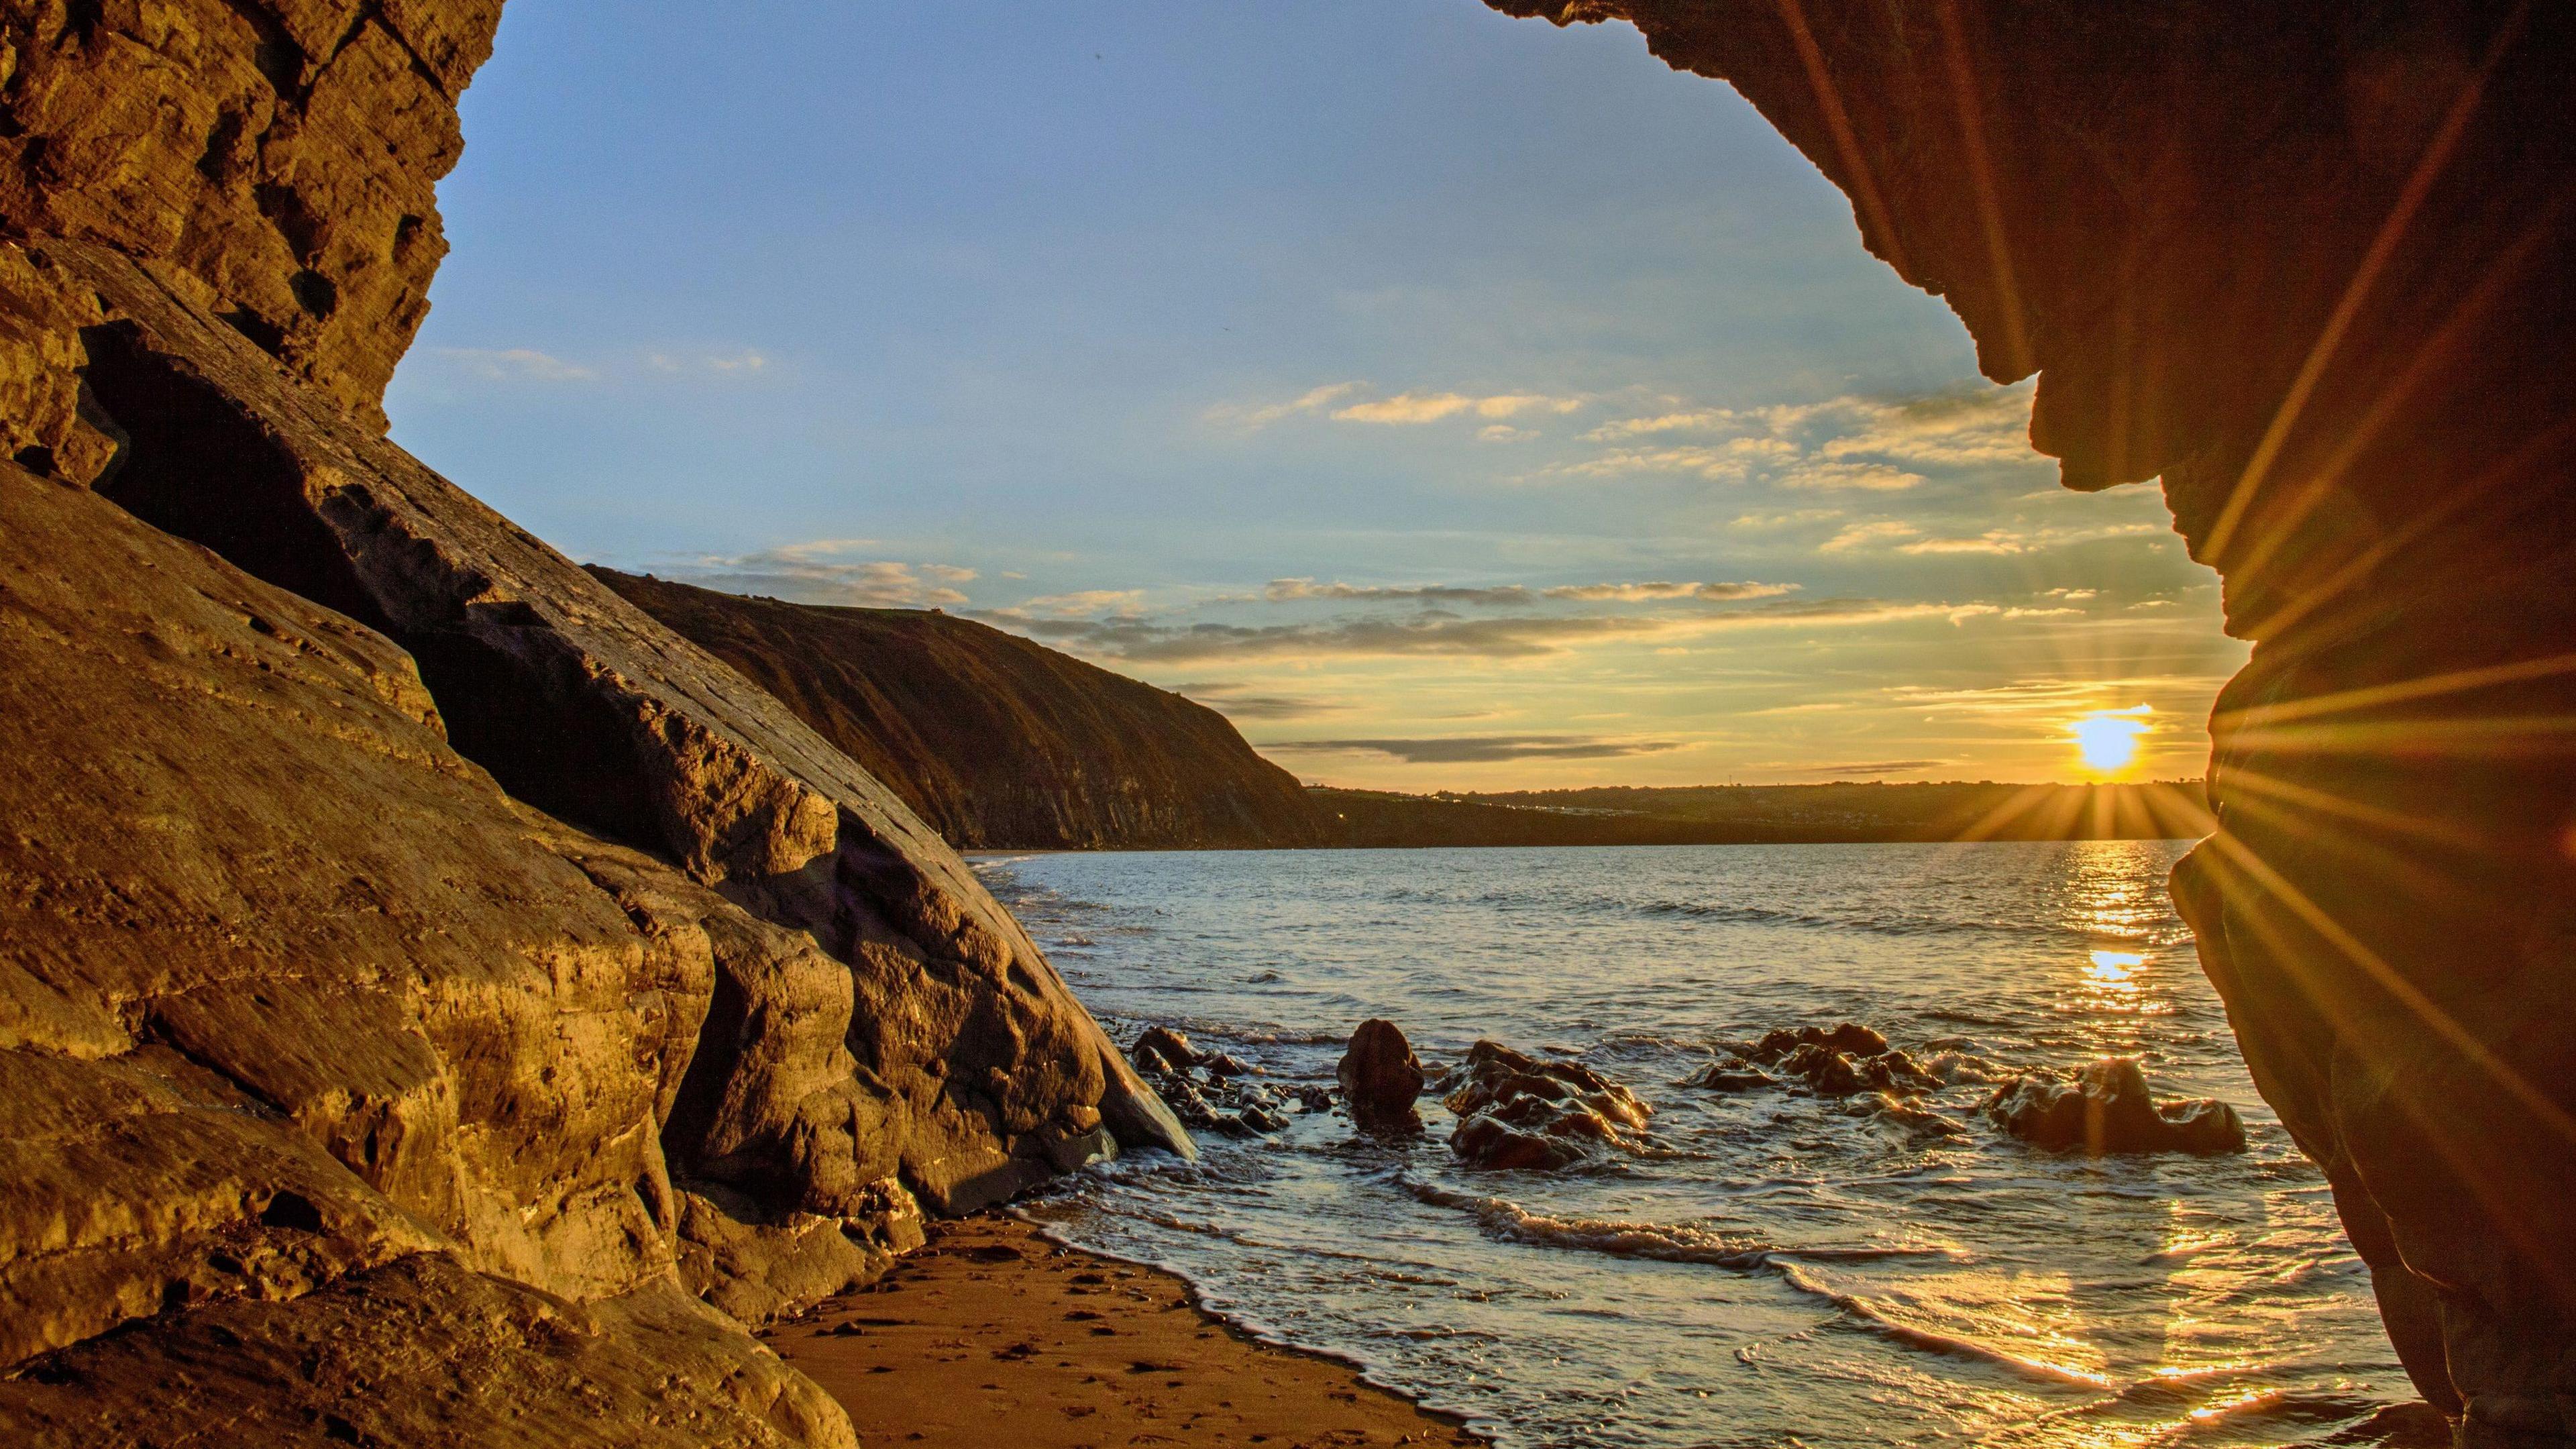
x: 1453, y: 401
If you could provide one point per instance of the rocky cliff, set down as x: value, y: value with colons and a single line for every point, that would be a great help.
x: 995, y: 741
x: 2313, y: 267
x: 432, y: 983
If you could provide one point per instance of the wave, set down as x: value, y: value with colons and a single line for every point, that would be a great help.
x: 1659, y: 1242
x: 1871, y: 1316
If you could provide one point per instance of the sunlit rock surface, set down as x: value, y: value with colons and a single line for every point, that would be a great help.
x: 2312, y: 266
x: 431, y: 983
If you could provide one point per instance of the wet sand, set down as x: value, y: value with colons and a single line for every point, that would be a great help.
x: 992, y: 1336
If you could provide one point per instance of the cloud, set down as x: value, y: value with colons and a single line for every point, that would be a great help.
x: 1726, y: 462
x: 1282, y: 591
x: 516, y: 364
x: 1865, y: 535
x: 1312, y: 400
x: 1703, y: 421
x: 819, y: 572
x: 1408, y: 408
x: 1440, y: 633
x: 1874, y: 477
x: 2013, y: 541
x: 742, y: 362
x: 1641, y: 593
x: 1505, y: 433
x: 1242, y: 701
x: 1081, y: 602
x: 1868, y: 769
x: 1480, y: 749
x: 1847, y: 442
x: 1286, y: 591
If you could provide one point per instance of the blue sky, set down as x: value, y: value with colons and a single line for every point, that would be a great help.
x: 1453, y: 400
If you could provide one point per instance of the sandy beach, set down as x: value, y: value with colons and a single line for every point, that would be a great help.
x: 993, y: 1336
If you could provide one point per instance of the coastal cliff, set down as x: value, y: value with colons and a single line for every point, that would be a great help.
x: 436, y: 989
x: 994, y: 741
x: 2313, y: 267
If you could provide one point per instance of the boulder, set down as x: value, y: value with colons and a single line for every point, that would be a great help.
x: 1839, y: 1061
x: 2106, y: 1108
x: 1161, y: 1049
x: 1516, y: 1110
x: 1380, y: 1076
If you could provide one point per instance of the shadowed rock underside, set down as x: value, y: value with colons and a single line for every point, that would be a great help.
x: 2313, y: 267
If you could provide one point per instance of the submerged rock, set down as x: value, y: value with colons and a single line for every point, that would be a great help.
x: 1213, y: 1091
x: 1381, y: 1077
x: 1517, y: 1111
x: 1845, y: 1060
x: 2106, y: 1108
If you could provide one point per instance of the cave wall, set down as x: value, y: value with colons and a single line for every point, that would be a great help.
x: 441, y: 1003
x: 2311, y: 266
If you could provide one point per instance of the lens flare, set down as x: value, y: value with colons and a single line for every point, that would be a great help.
x: 2107, y: 739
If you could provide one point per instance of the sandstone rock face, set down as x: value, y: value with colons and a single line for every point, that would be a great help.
x: 431, y: 981
x: 995, y: 741
x: 283, y: 153
x: 2313, y: 266
x: 311, y: 1039
x: 582, y: 705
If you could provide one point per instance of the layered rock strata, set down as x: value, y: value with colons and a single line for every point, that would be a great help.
x: 2312, y: 266
x: 995, y: 741
x: 431, y: 983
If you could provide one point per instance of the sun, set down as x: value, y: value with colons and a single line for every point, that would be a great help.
x: 2107, y: 739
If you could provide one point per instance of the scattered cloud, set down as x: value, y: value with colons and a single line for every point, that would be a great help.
x: 2016, y: 540
x: 1641, y: 593
x: 1243, y: 701
x: 1481, y: 749
x: 1730, y: 461
x: 1867, y: 769
x: 1874, y: 477
x: 1081, y: 602
x: 1505, y: 433
x: 822, y: 571
x: 516, y: 364
x: 1435, y: 632
x: 1288, y: 591
x: 738, y: 363
x: 1261, y: 416
x: 1865, y: 535
x: 1407, y: 408
x: 1282, y: 591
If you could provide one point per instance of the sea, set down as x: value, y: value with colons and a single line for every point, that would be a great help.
x: 1772, y: 1270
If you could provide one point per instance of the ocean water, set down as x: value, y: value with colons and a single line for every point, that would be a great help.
x: 1774, y: 1271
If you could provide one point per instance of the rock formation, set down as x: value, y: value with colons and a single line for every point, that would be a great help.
x: 1380, y: 1077
x: 997, y: 742
x: 2313, y: 266
x: 433, y: 982
x: 1515, y: 1110
x: 2106, y: 1108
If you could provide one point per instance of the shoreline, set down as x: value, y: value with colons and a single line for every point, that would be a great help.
x: 993, y: 1333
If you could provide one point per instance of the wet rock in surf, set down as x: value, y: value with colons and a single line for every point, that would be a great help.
x: 1516, y: 1111
x: 1846, y: 1060
x: 1380, y: 1076
x: 2106, y: 1108
x: 1212, y: 1091
x: 1161, y: 1049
